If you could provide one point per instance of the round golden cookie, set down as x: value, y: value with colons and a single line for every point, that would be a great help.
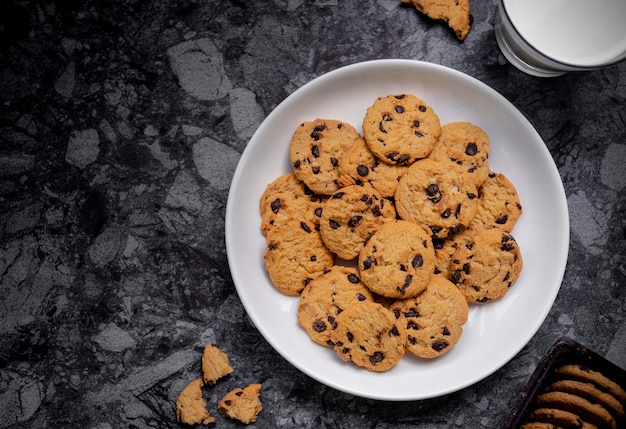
x: 466, y: 145
x: 398, y: 261
x: 369, y: 335
x: 485, y: 269
x: 350, y: 216
x: 287, y: 198
x: 295, y: 255
x: 358, y: 165
x: 437, y: 196
x: 314, y: 152
x: 590, y: 392
x: 434, y: 319
x: 559, y: 418
x: 584, y: 373
x: 538, y: 425
x: 499, y: 204
x: 589, y: 412
x: 325, y: 297
x: 400, y: 129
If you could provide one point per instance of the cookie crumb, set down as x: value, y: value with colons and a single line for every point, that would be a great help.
x: 190, y: 407
x: 214, y: 364
x: 455, y: 13
x: 242, y: 404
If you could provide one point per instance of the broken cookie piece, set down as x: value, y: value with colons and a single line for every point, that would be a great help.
x: 455, y: 13
x: 190, y: 407
x: 242, y: 404
x: 214, y: 364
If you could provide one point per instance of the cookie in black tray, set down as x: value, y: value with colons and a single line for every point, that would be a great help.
x: 574, y: 387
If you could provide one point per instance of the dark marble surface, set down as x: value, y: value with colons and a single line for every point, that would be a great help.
x: 121, y: 123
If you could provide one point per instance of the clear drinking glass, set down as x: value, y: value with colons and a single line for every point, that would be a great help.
x: 549, y: 38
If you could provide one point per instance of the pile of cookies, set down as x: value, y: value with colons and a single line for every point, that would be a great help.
x: 386, y: 237
x: 578, y: 397
x: 242, y: 404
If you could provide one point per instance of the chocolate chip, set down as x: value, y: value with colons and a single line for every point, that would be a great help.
x: 471, y: 149
x: 272, y: 245
x: 466, y: 268
x: 455, y: 276
x: 412, y: 339
x: 502, y: 219
x: 313, y: 258
x: 305, y: 227
x: 333, y: 224
x: 422, y: 108
x: 368, y: 262
x: 445, y: 214
x: 407, y: 282
x: 377, y: 358
x: 315, y: 170
x: 296, y: 164
x: 319, y: 326
x: 445, y: 331
x: 403, y: 160
x: 392, y: 156
x: 318, y: 212
x: 412, y: 312
x: 315, y: 151
x: 387, y: 117
x: 439, y: 345
x: 432, y: 190
x: 338, y: 195
x: 412, y: 325
x: 362, y: 170
x: 361, y: 297
x: 382, y: 129
x: 402, y: 267
x: 275, y: 205
x: 376, y: 211
x: 394, y: 331
x: 355, y: 221
x: 400, y: 96
x: 350, y: 336
x: 417, y: 261
x: 334, y: 162
x: 400, y: 109
x: 416, y: 123
x: 353, y: 278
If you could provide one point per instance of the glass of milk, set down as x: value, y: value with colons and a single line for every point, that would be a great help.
x: 549, y: 38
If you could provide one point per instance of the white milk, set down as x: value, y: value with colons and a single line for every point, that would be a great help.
x: 583, y: 33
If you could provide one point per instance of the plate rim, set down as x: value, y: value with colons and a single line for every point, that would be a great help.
x: 482, y: 87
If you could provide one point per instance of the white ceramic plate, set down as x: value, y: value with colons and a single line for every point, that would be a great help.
x: 495, y: 332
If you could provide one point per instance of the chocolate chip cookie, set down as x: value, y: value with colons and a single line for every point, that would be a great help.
x: 314, y: 152
x: 325, y: 297
x: 438, y: 196
x: 287, y: 198
x: 295, y: 255
x: 369, y: 335
x: 350, y: 216
x: 466, y: 145
x: 434, y: 319
x: 398, y: 260
x: 486, y: 268
x: 400, y: 129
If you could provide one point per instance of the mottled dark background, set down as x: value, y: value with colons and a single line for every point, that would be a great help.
x: 121, y: 123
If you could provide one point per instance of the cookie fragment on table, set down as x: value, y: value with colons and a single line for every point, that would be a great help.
x: 214, y: 364
x: 242, y: 404
x: 190, y: 407
x: 455, y: 13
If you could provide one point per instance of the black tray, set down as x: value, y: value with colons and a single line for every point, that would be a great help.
x: 564, y: 351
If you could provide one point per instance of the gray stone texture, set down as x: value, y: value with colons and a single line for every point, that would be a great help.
x: 121, y: 124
